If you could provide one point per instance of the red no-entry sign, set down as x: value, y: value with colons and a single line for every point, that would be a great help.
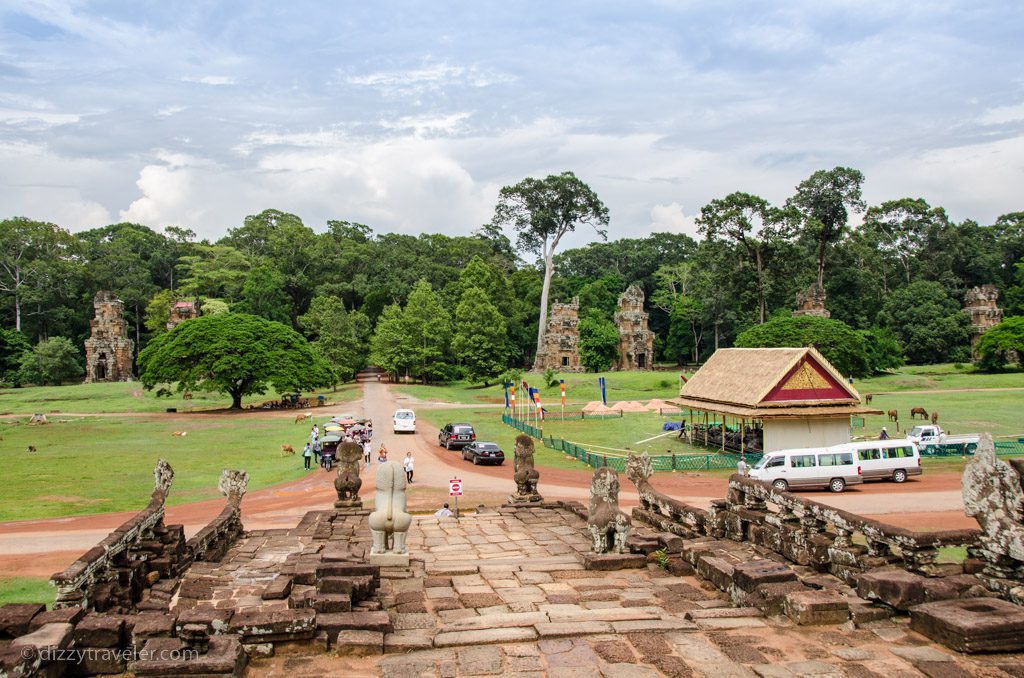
x: 455, y: 487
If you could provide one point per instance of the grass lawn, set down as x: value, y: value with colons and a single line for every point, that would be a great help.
x: 26, y: 590
x: 939, y: 377
x: 102, y: 464
x: 998, y: 412
x: 580, y: 388
x: 130, y: 397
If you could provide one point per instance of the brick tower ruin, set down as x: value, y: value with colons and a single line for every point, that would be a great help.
x: 980, y: 304
x: 811, y: 302
x: 108, y: 352
x: 561, y: 348
x: 636, y: 341
x: 180, y: 312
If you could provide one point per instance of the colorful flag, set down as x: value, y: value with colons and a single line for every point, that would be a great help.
x: 512, y: 396
x: 562, y: 382
x: 536, y: 399
x: 506, y: 395
x: 604, y: 397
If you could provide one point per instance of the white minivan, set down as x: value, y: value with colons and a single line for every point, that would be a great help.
x: 886, y: 459
x: 405, y: 421
x: 819, y: 467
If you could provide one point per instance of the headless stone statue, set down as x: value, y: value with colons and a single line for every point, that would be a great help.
x: 609, y: 527
x: 525, y: 475
x: 389, y: 521
x: 348, y: 482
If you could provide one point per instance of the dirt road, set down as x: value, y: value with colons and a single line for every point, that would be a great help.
x: 41, y: 547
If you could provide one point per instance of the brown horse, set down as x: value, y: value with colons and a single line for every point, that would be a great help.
x: 867, y: 399
x: 935, y: 417
x: 894, y: 415
x: 919, y: 410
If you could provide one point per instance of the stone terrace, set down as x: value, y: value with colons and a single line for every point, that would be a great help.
x: 502, y: 592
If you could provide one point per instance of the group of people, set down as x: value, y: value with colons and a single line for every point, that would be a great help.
x: 313, y: 449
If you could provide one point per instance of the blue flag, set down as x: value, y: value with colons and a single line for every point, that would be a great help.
x: 604, y: 397
x: 506, y: 395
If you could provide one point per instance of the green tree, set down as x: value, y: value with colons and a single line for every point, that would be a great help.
x: 427, y: 330
x: 29, y: 252
x: 750, y: 224
x: 232, y: 353
x: 214, y: 271
x: 900, y: 229
x: 823, y: 202
x: 52, y: 361
x: 599, y: 343
x: 263, y: 294
x: 212, y: 306
x: 158, y: 312
x: 1000, y: 342
x: 479, y: 341
x: 12, y: 345
x: 340, y: 336
x: 883, y: 350
x: 838, y: 342
x: 542, y: 212
x: 928, y: 322
x: 388, y: 345
x: 602, y: 295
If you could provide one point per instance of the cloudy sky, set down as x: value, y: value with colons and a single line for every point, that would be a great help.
x: 410, y: 116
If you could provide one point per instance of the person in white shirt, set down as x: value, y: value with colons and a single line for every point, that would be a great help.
x: 407, y: 465
x: 443, y: 512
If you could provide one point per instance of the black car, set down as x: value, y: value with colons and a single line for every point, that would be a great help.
x: 483, y: 453
x: 456, y: 436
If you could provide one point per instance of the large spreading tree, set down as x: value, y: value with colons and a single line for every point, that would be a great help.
x: 823, y: 202
x: 232, y: 353
x: 542, y: 212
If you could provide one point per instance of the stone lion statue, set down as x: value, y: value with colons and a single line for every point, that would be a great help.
x: 389, y: 521
x: 348, y: 482
x: 609, y: 527
x: 525, y: 475
x: 994, y: 496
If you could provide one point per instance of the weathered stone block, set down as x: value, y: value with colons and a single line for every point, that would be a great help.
x: 751, y: 574
x: 15, y: 618
x: 99, y: 631
x: 771, y: 598
x: 336, y: 585
x: 971, y: 624
x: 169, y: 657
x: 278, y: 589
x: 897, y: 588
x: 367, y: 621
x: 613, y: 561
x: 19, y: 661
x: 266, y: 626
x: 216, y: 620
x: 716, y: 570
x: 47, y: 638
x: 66, y: 615
x: 359, y: 643
x: 147, y: 626
x: 331, y: 602
x: 817, y: 607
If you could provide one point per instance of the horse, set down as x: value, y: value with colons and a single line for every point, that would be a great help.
x: 867, y: 399
x: 935, y: 417
x: 894, y: 415
x: 919, y: 410
x: 303, y: 417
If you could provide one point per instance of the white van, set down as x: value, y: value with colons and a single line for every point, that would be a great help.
x: 810, y: 467
x: 405, y: 421
x: 886, y: 459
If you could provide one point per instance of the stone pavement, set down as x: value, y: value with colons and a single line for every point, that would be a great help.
x: 503, y: 592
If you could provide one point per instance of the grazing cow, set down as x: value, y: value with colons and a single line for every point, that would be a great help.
x: 935, y: 417
x: 303, y: 417
x: 867, y: 399
x: 187, y: 395
x: 287, y: 449
x: 918, y: 410
x: 31, y: 448
x: 894, y: 415
x: 180, y: 433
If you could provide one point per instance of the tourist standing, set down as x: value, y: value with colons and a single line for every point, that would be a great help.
x: 307, y: 455
x: 366, y: 452
x: 884, y: 435
x: 741, y: 466
x: 407, y: 465
x: 382, y: 456
x: 317, y: 448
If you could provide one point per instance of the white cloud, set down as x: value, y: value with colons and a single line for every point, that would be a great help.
x: 168, y: 111
x: 1002, y: 114
x: 165, y: 192
x: 36, y: 119
x: 426, y: 125
x: 672, y: 219
x: 213, y: 80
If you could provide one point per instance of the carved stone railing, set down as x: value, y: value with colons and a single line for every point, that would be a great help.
x: 114, y: 573
x: 213, y: 541
x: 804, y: 531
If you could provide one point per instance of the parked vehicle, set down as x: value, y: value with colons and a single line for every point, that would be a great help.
x: 932, y: 434
x: 455, y: 436
x: 483, y: 453
x: 809, y: 467
x: 405, y: 421
x: 885, y: 459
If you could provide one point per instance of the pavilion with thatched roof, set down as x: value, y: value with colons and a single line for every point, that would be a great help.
x: 792, y: 397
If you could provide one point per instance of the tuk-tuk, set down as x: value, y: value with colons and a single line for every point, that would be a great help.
x: 329, y: 450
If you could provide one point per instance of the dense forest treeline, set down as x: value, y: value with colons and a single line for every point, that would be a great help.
x: 438, y: 307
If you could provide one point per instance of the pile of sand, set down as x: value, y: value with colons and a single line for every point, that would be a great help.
x: 629, y: 406
x: 597, y: 407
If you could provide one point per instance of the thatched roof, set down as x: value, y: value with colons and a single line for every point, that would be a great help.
x: 740, y: 381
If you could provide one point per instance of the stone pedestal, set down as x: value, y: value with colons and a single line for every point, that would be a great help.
x: 389, y: 559
x: 613, y: 561
x: 971, y: 624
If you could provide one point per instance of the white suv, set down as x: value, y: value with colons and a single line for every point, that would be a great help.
x: 405, y: 421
